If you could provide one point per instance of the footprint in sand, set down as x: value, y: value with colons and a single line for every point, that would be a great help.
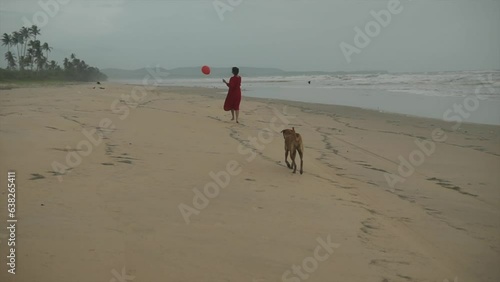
x: 35, y: 176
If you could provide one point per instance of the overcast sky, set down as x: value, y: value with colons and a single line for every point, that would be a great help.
x: 426, y: 35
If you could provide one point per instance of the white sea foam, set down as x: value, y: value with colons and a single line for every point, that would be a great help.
x: 441, y: 84
x: 421, y: 94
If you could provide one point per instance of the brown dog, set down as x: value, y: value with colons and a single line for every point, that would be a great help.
x: 293, y: 144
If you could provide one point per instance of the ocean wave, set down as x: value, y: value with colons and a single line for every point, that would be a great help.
x: 438, y: 84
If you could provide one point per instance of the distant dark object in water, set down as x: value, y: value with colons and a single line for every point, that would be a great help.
x: 309, y: 82
x: 101, y: 88
x: 93, y: 87
x: 98, y: 82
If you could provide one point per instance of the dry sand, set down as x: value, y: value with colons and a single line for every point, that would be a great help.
x: 119, y: 209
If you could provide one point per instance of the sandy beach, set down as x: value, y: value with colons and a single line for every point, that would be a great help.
x: 164, y: 187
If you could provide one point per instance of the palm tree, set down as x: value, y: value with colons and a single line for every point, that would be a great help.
x: 36, y: 54
x: 40, y: 62
x: 15, y: 41
x: 75, y: 63
x: 31, y: 52
x: 7, y: 41
x: 53, y: 65
x: 28, y: 59
x: 46, y: 48
x: 82, y: 67
x: 39, y: 58
x: 66, y: 64
x: 11, y: 60
x: 34, y: 31
x: 25, y: 33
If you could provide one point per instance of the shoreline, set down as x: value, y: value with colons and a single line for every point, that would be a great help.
x: 7, y: 85
x: 473, y: 98
x: 342, y: 110
x: 316, y: 107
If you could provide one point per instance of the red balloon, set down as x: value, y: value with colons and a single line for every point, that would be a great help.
x: 205, y: 70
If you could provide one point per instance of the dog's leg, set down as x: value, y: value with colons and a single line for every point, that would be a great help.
x: 301, y: 161
x: 292, y: 156
x: 286, y: 159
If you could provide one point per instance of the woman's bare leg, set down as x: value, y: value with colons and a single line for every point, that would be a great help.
x: 232, y: 113
x: 237, y: 114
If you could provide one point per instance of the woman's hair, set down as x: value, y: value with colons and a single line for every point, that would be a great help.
x: 236, y: 70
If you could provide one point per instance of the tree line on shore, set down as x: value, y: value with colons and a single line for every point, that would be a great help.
x: 28, y: 59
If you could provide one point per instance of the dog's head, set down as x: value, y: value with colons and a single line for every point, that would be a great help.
x: 287, y: 132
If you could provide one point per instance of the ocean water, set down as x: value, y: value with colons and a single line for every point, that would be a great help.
x: 471, y: 96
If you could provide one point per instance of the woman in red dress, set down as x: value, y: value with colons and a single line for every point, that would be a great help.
x: 233, y: 97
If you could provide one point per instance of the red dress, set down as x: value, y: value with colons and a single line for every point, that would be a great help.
x: 233, y: 97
